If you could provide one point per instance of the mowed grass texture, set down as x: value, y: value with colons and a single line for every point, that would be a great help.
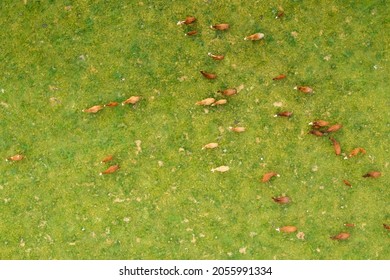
x: 60, y: 57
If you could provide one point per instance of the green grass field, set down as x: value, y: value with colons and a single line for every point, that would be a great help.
x: 60, y: 57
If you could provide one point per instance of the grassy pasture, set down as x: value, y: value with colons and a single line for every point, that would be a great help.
x: 60, y: 57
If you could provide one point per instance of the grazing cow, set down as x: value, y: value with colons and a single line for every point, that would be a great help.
x: 341, y: 236
x: 210, y: 76
x: 93, y: 109
x: 187, y: 21
x: 282, y: 199
x: 268, y: 176
x: 110, y: 170
x: 304, y: 89
x: 254, y: 37
x: 220, y: 26
x: 216, y: 57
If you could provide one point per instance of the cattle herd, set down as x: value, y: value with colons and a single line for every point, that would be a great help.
x: 319, y: 128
